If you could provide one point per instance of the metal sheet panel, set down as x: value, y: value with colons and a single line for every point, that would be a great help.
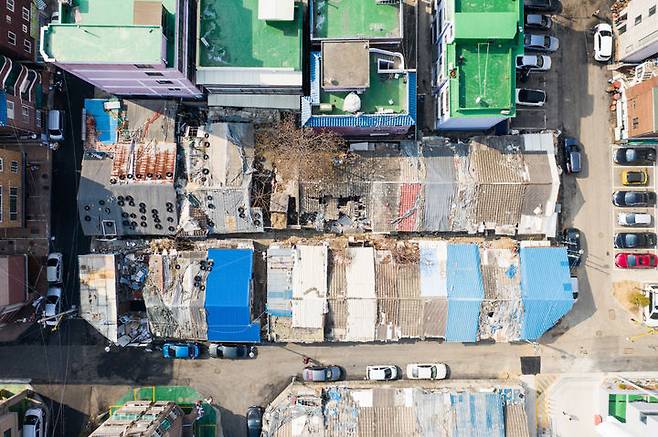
x: 463, y: 320
x: 360, y: 273
x: 361, y: 319
x: 310, y: 272
x: 464, y: 274
x: 280, y: 263
x: 478, y: 415
x: 433, y: 274
x: 270, y: 101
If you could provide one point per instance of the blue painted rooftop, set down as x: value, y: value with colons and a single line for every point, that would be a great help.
x: 3, y: 108
x: 106, y: 121
x: 464, y: 273
x: 463, y: 320
x: 546, y: 289
x: 228, y: 297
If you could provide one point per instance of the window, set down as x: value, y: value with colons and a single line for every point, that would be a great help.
x: 7, y: 433
x: 8, y: 18
x: 173, y: 89
x: 10, y: 5
x: 26, y: 14
x: 25, y: 29
x: 153, y: 73
x: 636, y: 122
x: 652, y: 10
x: 10, y: 110
x: 27, y: 45
x: 0, y: 203
x: 164, y: 82
x: 1, y: 164
x: 622, y: 29
x: 11, y: 36
x: 13, y: 204
x: 37, y: 119
x: 143, y: 66
x: 26, y: 111
x: 14, y: 167
x: 638, y: 19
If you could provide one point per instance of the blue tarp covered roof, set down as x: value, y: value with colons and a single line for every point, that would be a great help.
x: 478, y: 415
x: 106, y: 121
x: 546, y: 289
x: 228, y: 297
x: 465, y: 292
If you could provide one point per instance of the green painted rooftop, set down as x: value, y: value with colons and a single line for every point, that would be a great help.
x: 235, y: 36
x: 480, y: 61
x: 384, y: 93
x: 355, y: 19
x: 487, y: 5
x: 104, y: 31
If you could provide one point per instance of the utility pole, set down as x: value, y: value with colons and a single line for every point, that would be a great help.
x: 58, y: 317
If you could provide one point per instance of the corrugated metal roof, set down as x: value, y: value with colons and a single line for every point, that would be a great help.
x: 463, y: 320
x: 270, y: 101
x: 360, y: 272
x: 546, y: 289
x: 478, y: 415
x: 280, y: 262
x: 362, y: 120
x: 464, y: 275
x: 435, y: 317
x: 408, y: 207
x: 516, y: 421
x: 433, y: 274
x: 361, y: 319
x: 228, y: 297
x: 308, y: 312
x: 310, y: 272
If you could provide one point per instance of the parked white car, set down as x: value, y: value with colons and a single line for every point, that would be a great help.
x: 651, y: 311
x: 53, y: 304
x: 382, y: 373
x: 633, y: 219
x: 602, y: 42
x: 427, y: 371
x: 54, y: 268
x: 533, y: 62
x: 530, y: 97
x: 34, y: 424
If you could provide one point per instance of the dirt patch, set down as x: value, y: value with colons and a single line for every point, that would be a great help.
x: 622, y: 291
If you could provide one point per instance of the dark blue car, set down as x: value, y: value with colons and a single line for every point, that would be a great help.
x: 180, y: 350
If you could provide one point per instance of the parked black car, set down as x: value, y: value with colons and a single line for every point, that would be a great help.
x: 254, y: 421
x: 232, y: 351
x: 634, y: 198
x: 635, y: 240
x: 572, y: 155
x: 635, y: 156
x: 571, y: 239
x: 541, y: 5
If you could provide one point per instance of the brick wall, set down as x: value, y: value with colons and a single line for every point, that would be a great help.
x: 17, y: 23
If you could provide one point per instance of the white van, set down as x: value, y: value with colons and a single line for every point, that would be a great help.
x: 55, y: 125
x: 34, y: 424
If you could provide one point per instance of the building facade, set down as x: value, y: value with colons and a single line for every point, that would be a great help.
x: 21, y: 98
x: 635, y: 31
x: 12, y: 168
x: 474, y: 73
x: 143, y: 418
x: 13, y: 286
x: 130, y: 48
x: 16, y: 35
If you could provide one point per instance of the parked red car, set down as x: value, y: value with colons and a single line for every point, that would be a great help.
x: 627, y: 260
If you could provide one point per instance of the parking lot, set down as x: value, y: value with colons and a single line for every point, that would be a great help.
x: 616, y: 175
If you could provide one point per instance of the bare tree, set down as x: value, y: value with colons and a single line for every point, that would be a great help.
x: 300, y: 153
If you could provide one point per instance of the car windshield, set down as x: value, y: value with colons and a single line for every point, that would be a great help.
x: 531, y: 96
x: 547, y: 41
x: 540, y: 61
x: 433, y: 372
x: 654, y: 315
x: 387, y: 373
x: 632, y: 240
x: 635, y: 176
x: 52, y: 262
x: 605, y: 33
x: 631, y: 155
x: 544, y: 20
x: 31, y: 420
x: 631, y: 260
